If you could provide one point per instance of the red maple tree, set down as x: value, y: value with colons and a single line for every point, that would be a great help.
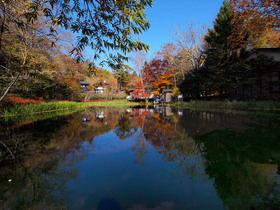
x: 139, y: 92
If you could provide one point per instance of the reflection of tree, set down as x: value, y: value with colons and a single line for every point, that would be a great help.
x: 189, y: 161
x: 31, y: 185
x: 39, y: 158
x: 128, y: 125
x: 164, y: 133
x: 124, y: 129
x: 140, y: 149
x: 242, y: 164
x: 35, y: 187
x: 243, y: 167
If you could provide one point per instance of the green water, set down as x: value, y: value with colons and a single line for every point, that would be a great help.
x: 156, y: 159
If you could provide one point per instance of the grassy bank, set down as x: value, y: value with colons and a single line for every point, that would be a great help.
x: 114, y: 104
x: 39, y: 108
x: 106, y: 96
x: 28, y: 109
x: 247, y: 105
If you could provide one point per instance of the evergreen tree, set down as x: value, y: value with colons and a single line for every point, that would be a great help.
x: 223, y: 60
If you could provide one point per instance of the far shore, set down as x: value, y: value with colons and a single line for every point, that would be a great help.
x: 38, y: 108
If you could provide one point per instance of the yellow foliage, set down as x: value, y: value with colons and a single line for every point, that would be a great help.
x: 176, y: 92
x: 164, y: 81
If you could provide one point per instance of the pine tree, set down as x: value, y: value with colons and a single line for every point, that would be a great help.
x: 223, y: 58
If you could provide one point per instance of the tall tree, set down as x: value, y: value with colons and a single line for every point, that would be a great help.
x: 122, y: 72
x: 152, y: 72
x: 222, y: 55
x: 138, y: 59
x: 190, y: 44
x: 169, y: 52
x: 24, y: 47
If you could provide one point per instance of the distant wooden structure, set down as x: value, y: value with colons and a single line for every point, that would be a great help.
x: 167, y: 95
x: 84, y: 85
x: 269, y: 52
x: 269, y: 85
x: 101, y: 88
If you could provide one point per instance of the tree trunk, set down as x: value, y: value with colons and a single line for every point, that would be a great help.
x: 16, y: 78
x: 10, y: 86
x: 260, y: 84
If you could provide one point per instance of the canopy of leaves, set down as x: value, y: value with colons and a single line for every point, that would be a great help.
x: 152, y: 72
x: 102, y: 25
x: 258, y: 19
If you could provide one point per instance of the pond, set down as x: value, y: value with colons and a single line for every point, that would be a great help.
x: 142, y: 158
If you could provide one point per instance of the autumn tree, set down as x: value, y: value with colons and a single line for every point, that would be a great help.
x: 190, y: 45
x: 133, y: 79
x: 111, y: 88
x: 25, y: 47
x: 139, y: 92
x: 152, y: 72
x: 164, y: 82
x: 169, y: 52
x: 257, y: 19
x: 102, y: 25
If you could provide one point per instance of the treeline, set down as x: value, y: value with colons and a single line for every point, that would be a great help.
x: 237, y: 77
x: 232, y: 69
x: 232, y: 60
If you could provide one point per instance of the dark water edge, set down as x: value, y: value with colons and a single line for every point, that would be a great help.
x: 142, y: 158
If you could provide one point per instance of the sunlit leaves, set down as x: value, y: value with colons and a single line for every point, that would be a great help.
x: 256, y: 19
x: 102, y: 25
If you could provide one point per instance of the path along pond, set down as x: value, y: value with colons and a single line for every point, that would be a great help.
x: 142, y: 158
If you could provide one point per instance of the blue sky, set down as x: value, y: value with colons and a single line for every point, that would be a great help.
x: 166, y: 15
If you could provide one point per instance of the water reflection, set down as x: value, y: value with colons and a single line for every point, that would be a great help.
x: 210, y: 159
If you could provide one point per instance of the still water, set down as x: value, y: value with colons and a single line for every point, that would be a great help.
x: 146, y: 158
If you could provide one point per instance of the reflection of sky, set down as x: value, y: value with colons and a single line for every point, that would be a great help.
x: 110, y: 143
x: 110, y: 172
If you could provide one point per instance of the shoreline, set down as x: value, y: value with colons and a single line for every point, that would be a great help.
x: 45, y: 107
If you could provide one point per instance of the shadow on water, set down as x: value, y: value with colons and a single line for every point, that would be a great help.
x: 108, y: 204
x: 107, y: 154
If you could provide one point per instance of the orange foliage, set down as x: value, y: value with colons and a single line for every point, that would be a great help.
x: 257, y: 18
x: 139, y: 92
x: 163, y: 82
